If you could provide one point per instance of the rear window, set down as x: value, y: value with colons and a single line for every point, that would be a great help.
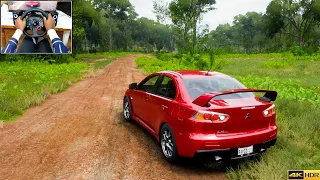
x: 199, y: 86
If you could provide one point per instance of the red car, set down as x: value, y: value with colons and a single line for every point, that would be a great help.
x: 193, y: 112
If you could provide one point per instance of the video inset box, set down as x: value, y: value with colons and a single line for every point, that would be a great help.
x: 36, y: 27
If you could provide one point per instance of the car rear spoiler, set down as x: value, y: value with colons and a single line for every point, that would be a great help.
x: 204, y: 99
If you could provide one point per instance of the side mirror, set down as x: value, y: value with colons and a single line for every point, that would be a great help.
x: 133, y: 86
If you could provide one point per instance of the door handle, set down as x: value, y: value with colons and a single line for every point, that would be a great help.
x: 146, y: 98
x: 164, y: 107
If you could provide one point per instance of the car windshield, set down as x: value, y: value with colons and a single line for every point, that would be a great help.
x: 199, y: 86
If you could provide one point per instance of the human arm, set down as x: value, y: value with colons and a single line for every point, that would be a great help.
x: 58, y: 46
x: 12, y: 44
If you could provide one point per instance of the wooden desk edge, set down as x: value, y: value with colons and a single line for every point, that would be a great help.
x: 13, y: 27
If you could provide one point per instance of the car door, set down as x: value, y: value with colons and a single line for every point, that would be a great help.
x: 160, y: 104
x: 140, y: 97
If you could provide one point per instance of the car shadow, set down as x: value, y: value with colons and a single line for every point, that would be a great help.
x: 199, y: 164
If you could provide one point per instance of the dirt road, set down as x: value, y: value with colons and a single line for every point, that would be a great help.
x: 81, y: 134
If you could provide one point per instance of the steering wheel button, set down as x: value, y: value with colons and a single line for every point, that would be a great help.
x: 39, y: 28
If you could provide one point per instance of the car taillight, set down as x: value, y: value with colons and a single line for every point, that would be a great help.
x: 212, y: 116
x: 270, y: 111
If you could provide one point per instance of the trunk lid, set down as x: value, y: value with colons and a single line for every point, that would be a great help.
x: 245, y: 115
x: 245, y: 110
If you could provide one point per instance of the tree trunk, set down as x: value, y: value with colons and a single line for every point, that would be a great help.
x: 110, y: 35
x: 194, y: 40
x: 185, y: 44
x: 302, y: 42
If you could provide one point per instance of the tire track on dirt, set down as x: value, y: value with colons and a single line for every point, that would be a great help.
x: 81, y: 134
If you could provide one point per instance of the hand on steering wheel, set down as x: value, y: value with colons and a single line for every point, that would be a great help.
x: 49, y: 22
x: 34, y: 22
x: 21, y: 23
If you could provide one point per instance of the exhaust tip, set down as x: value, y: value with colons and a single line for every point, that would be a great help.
x: 217, y: 158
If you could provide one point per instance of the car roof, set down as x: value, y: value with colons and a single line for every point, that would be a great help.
x: 189, y: 74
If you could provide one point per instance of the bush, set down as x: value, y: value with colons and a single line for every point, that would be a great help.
x: 289, y: 89
x: 297, y: 51
x: 165, y: 57
x: 200, y: 63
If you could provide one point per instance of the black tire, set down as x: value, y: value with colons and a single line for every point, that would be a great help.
x: 167, y: 139
x: 126, y: 109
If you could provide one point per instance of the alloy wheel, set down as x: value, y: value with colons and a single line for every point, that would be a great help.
x: 167, y: 144
x: 126, y: 110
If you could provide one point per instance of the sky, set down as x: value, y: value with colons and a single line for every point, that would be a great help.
x: 225, y: 12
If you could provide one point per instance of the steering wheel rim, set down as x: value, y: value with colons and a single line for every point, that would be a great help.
x: 35, y: 30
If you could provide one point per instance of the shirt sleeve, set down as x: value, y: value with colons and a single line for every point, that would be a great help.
x: 58, y: 46
x: 12, y: 44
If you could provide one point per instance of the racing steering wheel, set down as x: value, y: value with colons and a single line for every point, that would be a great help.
x: 35, y: 22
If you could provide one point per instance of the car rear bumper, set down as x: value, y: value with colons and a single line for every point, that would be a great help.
x: 191, y: 144
x: 232, y: 153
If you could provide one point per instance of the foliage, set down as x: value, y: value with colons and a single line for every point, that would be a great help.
x: 151, y: 35
x: 186, y: 15
x: 83, y: 15
x: 104, y: 55
x: 112, y: 25
x: 279, y: 64
x: 285, y: 26
x: 294, y: 18
x: 118, y: 14
x: 101, y: 26
x: 51, y: 58
x: 288, y: 89
x: 27, y: 83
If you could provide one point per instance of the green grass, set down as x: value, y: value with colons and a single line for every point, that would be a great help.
x: 303, y: 71
x: 104, y: 54
x: 101, y: 60
x: 103, y: 64
x: 28, y: 80
x: 300, y: 86
x: 298, y: 107
x: 24, y: 84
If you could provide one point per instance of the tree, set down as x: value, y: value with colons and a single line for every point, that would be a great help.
x: 248, y: 29
x: 186, y: 14
x: 150, y: 34
x: 83, y: 15
x: 296, y: 18
x: 115, y: 10
x: 247, y: 34
x: 161, y: 9
x: 221, y: 37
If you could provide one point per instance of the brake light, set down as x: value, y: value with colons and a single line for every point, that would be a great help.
x: 270, y: 111
x: 211, y: 116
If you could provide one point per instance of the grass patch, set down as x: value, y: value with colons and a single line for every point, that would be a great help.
x: 283, y: 66
x: 288, y: 88
x: 27, y: 81
x: 104, y: 55
x: 297, y: 106
x: 24, y: 84
x: 102, y: 64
